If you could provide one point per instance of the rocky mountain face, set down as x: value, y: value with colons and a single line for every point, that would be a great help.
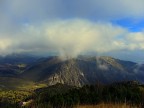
x: 83, y: 70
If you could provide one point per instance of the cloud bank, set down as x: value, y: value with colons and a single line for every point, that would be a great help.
x: 71, y: 38
x: 71, y: 27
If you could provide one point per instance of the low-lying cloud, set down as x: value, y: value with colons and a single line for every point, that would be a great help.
x: 71, y: 38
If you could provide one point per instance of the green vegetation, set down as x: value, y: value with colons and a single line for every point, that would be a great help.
x: 11, y: 98
x: 92, y: 95
x: 11, y: 83
x: 64, y: 96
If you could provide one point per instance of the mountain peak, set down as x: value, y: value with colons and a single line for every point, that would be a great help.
x: 80, y: 71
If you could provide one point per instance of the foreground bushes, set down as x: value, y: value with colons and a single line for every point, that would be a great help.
x: 115, y: 93
x: 62, y: 96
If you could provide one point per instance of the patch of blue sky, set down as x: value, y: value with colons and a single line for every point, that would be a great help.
x: 132, y: 25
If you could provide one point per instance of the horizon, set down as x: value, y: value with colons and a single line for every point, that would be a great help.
x: 66, y: 57
x: 71, y: 28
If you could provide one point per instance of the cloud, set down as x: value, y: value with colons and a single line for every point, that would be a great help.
x: 103, y: 67
x: 70, y: 27
x: 76, y: 36
x: 38, y: 10
x: 4, y: 43
x: 71, y: 38
x: 137, y: 40
x: 139, y: 68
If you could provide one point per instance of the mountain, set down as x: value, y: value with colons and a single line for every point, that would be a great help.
x: 14, y: 64
x: 11, y: 66
x: 17, y: 59
x: 83, y: 70
x: 75, y: 71
x: 8, y: 70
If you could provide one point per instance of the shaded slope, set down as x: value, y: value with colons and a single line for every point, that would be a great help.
x: 80, y: 71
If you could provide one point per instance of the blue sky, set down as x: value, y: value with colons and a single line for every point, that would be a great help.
x: 73, y: 27
x: 130, y: 24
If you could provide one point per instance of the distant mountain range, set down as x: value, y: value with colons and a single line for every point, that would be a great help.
x: 76, y: 71
x: 17, y: 58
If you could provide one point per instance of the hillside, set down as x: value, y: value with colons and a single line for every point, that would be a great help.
x: 120, y: 94
x: 76, y: 71
x: 11, y: 66
x: 83, y: 70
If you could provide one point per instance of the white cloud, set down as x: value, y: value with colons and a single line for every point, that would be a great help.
x: 4, y: 44
x: 71, y: 37
x: 138, y: 37
x: 136, y: 40
x: 103, y: 67
x: 58, y: 26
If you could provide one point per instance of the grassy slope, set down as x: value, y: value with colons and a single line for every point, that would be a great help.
x: 18, y: 84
